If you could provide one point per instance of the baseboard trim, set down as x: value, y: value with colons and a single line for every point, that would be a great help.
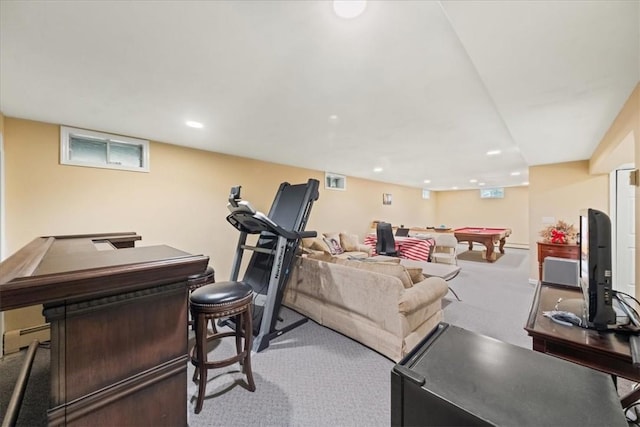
x: 16, y: 339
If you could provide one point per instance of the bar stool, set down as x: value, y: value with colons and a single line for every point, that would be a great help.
x: 213, y: 301
x: 198, y: 280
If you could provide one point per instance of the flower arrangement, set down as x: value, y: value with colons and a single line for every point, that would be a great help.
x: 559, y: 233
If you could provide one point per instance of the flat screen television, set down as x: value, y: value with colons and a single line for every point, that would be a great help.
x: 595, y: 269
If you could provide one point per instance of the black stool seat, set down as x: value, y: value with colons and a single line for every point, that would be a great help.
x: 214, y: 301
x: 220, y: 293
x: 196, y: 280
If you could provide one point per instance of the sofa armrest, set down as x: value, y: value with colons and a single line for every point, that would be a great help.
x: 422, y: 294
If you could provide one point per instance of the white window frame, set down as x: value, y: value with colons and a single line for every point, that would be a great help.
x: 65, y: 146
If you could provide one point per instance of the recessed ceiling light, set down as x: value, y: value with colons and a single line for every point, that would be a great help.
x: 377, y: 169
x: 334, y: 119
x: 515, y: 173
x: 493, y: 152
x: 427, y: 181
x: 193, y: 124
x: 481, y: 184
x: 349, y: 8
x: 473, y: 180
x: 525, y: 183
x: 455, y: 188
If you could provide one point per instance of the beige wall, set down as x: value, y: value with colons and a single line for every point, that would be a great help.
x: 621, y: 144
x: 2, y: 251
x: 636, y: 132
x: 467, y: 209
x: 181, y: 202
x: 561, y: 191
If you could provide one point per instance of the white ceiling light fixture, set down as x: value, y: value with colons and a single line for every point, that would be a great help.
x: 378, y: 169
x: 349, y: 9
x: 481, y: 184
x: 515, y: 173
x: 493, y: 152
x: 194, y: 124
x: 427, y: 181
x: 473, y: 180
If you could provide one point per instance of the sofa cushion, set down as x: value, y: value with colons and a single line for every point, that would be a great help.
x: 322, y: 256
x: 318, y: 244
x: 307, y: 242
x: 389, y: 269
x: 349, y: 242
x: 383, y: 258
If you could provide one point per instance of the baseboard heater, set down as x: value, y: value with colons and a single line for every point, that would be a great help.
x: 21, y: 338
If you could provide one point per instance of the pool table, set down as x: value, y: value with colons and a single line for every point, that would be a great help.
x: 485, y: 236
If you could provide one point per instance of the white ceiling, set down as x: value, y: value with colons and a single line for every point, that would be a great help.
x: 421, y: 89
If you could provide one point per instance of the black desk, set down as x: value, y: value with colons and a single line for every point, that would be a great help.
x: 456, y: 377
x: 605, y: 351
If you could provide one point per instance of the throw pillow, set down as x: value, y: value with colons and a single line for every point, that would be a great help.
x: 319, y: 244
x: 349, y: 242
x: 308, y: 242
x: 332, y: 235
x: 334, y: 246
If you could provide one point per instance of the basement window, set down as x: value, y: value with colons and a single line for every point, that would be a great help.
x: 80, y: 147
x: 492, y: 193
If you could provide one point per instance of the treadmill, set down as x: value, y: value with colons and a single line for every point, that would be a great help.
x: 268, y: 270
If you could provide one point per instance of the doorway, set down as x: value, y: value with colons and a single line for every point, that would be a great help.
x: 624, y: 255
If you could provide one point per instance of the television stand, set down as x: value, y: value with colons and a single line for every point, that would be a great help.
x: 605, y: 351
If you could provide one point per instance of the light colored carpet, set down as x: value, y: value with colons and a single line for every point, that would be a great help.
x: 496, y: 297
x: 310, y: 376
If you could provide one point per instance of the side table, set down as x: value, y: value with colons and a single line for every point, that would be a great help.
x: 559, y: 250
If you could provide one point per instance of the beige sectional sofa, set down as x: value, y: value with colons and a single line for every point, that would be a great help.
x: 384, y: 306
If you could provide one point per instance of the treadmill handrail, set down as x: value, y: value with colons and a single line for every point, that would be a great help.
x: 258, y: 222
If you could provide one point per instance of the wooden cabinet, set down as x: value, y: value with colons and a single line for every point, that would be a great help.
x: 558, y: 250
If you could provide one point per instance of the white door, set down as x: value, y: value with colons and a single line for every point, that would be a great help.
x: 625, y: 234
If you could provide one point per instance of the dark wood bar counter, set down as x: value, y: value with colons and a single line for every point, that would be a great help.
x: 118, y: 317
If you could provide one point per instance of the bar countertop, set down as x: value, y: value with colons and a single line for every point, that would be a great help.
x: 67, y: 268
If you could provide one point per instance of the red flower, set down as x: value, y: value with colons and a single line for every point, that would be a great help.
x: 558, y: 236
